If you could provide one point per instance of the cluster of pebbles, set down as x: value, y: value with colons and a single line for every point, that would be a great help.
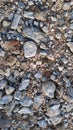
x: 36, y: 64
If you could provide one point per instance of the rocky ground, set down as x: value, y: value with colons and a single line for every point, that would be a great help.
x: 36, y: 64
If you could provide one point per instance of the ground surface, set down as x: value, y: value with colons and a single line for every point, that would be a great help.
x: 36, y: 64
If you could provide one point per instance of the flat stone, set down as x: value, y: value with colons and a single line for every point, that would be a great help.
x: 56, y: 120
x: 25, y: 111
x: 30, y: 49
x: 6, y: 99
x: 53, y: 111
x: 48, y: 89
x: 26, y: 102
x: 24, y: 84
x: 3, y: 84
x: 9, y: 90
x: 33, y: 33
x: 29, y: 15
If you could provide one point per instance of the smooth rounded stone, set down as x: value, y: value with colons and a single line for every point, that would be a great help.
x: 48, y: 88
x: 70, y: 45
x: 17, y: 95
x: 3, y: 84
x: 25, y: 111
x: 53, y: 110
x: 38, y: 100
x: 6, y: 99
x: 24, y: 84
x: 56, y: 120
x: 9, y: 90
x: 30, y: 49
x: 26, y: 101
x: 38, y: 75
x: 42, y: 123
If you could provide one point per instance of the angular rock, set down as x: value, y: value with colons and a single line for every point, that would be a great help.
x: 42, y: 123
x: 53, y: 110
x: 56, y: 120
x: 24, y: 84
x: 38, y: 100
x: 3, y: 84
x: 15, y: 21
x: 6, y: 99
x: 26, y: 102
x: 9, y: 90
x: 28, y: 15
x: 25, y: 111
x: 17, y: 95
x: 48, y: 89
x: 70, y: 45
x: 33, y: 34
x: 30, y: 49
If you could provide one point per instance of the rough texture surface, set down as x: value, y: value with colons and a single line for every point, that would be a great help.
x: 36, y: 64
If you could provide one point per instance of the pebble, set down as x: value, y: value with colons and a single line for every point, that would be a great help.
x: 48, y: 89
x: 17, y: 95
x: 3, y: 84
x: 42, y: 123
x: 29, y: 15
x: 6, y: 99
x: 24, y: 84
x: 56, y: 120
x: 53, y: 110
x: 9, y: 89
x: 30, y: 49
x: 25, y: 111
x: 70, y: 45
x: 26, y: 101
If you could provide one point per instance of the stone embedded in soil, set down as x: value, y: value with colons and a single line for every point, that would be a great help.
x: 48, y: 89
x: 6, y: 99
x: 3, y: 84
x: 53, y: 110
x: 9, y: 90
x: 25, y: 111
x: 24, y: 84
x: 30, y: 49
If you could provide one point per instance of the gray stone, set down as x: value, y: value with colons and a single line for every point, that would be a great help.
x: 17, y: 95
x: 56, y: 120
x: 38, y: 75
x: 26, y: 102
x: 38, y: 100
x: 53, y: 110
x: 25, y: 111
x: 48, y: 88
x: 30, y: 49
x: 42, y: 123
x: 28, y: 15
x: 3, y: 84
x: 24, y: 84
x: 9, y: 90
x: 15, y: 21
x: 70, y: 45
x: 6, y: 99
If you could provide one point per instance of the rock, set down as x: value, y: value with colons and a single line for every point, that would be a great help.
x: 30, y: 49
x: 6, y: 99
x: 9, y: 90
x: 24, y: 84
x: 15, y: 21
x: 29, y: 15
x: 38, y: 101
x: 41, y: 16
x: 66, y: 6
x: 17, y: 95
x: 70, y: 45
x: 13, y: 46
x: 56, y: 120
x: 25, y: 111
x: 11, y: 60
x: 6, y: 23
x: 48, y: 89
x: 68, y: 107
x: 70, y: 92
x: 42, y: 123
x: 38, y: 75
x: 5, y: 123
x: 53, y: 110
x: 33, y: 33
x: 3, y: 84
x: 26, y: 102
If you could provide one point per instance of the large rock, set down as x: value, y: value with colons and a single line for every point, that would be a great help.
x: 30, y: 49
